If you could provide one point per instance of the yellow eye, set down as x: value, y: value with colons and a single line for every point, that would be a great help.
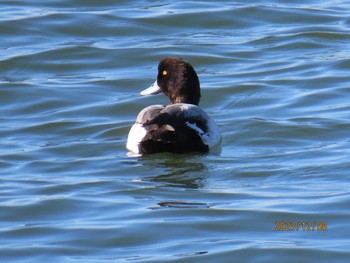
x: 165, y: 73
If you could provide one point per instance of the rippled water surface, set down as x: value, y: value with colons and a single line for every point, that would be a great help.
x: 275, y: 77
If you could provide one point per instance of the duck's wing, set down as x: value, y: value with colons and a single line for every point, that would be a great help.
x: 196, y: 119
x: 149, y: 113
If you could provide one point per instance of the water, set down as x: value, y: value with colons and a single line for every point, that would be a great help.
x: 275, y: 77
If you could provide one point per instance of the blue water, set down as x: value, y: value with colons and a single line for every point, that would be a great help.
x: 274, y: 76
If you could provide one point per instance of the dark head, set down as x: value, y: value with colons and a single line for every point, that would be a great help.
x: 178, y: 80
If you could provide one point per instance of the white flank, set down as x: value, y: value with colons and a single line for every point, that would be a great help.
x: 210, y: 138
x: 136, y: 134
x: 214, y: 133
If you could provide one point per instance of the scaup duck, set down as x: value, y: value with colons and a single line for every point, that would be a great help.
x: 180, y: 127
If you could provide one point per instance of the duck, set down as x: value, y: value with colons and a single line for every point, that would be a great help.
x: 180, y: 127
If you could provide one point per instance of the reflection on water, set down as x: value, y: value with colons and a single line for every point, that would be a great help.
x: 180, y: 204
x: 177, y: 170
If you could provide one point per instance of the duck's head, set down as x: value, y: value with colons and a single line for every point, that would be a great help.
x: 178, y: 80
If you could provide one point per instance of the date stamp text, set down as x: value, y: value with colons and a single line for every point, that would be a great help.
x: 301, y: 225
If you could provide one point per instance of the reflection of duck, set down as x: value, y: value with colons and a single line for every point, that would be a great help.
x: 179, y: 127
x: 177, y: 171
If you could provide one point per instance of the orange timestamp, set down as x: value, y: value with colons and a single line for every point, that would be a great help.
x: 301, y: 225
